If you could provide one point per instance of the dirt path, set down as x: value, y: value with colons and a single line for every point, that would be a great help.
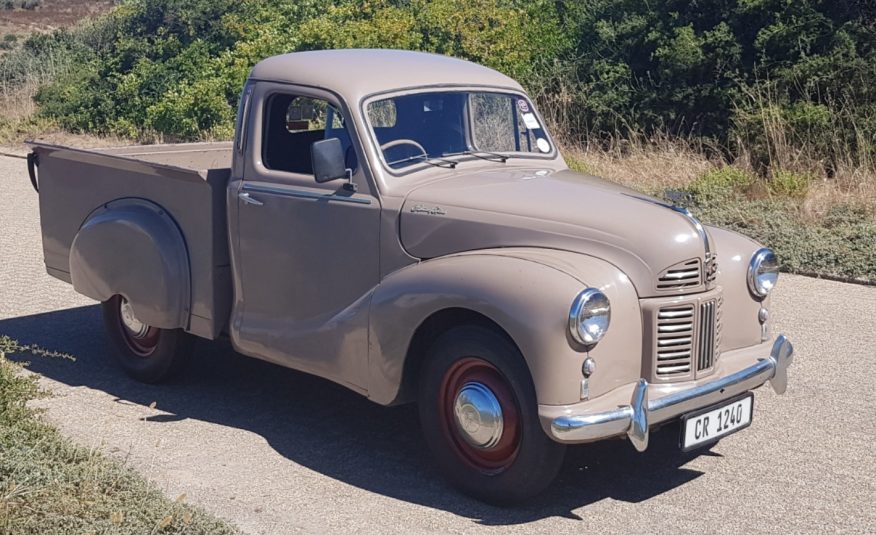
x: 279, y: 452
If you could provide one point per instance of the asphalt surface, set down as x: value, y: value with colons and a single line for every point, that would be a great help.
x: 276, y: 451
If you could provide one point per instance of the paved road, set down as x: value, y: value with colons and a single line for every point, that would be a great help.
x: 279, y: 452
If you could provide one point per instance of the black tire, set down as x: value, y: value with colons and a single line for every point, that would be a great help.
x: 151, y: 356
x: 525, y: 460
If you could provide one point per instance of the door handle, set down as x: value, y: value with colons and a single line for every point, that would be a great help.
x: 248, y: 199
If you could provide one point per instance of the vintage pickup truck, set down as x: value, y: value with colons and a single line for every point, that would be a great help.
x: 403, y: 224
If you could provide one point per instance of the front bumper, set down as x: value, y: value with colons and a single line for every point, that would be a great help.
x: 586, y: 422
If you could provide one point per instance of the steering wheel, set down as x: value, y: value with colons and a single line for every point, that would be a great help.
x: 397, y: 142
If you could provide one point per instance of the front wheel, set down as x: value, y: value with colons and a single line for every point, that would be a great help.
x: 146, y: 353
x: 479, y: 416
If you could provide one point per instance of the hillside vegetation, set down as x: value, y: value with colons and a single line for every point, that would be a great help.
x: 782, y: 91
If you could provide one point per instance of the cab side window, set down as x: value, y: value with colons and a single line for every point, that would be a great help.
x: 292, y: 124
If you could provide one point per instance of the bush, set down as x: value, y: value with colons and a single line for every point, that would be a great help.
x: 7, y: 43
x: 789, y: 184
x: 721, y: 183
x: 786, y: 85
x: 841, y: 246
x: 21, y: 4
x: 175, y: 68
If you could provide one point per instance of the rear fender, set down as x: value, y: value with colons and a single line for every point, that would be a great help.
x: 133, y: 248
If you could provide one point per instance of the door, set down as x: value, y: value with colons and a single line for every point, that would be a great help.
x: 308, y: 253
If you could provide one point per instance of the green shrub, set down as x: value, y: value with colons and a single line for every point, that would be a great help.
x: 20, y: 4
x: 578, y: 164
x: 841, y: 245
x: 175, y: 68
x: 774, y: 81
x: 721, y: 183
x: 789, y: 184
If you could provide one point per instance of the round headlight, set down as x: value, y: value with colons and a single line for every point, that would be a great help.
x: 763, y: 272
x: 589, y: 316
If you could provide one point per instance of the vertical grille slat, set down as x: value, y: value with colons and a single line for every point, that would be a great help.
x: 707, y: 335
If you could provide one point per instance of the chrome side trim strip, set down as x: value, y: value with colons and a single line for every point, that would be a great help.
x: 303, y: 194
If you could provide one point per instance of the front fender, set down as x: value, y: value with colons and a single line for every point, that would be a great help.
x: 133, y: 248
x: 526, y: 292
x: 741, y: 327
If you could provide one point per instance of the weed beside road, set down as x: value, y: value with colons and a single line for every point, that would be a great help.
x: 50, y: 485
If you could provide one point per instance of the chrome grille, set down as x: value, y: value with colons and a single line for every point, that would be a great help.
x: 687, y: 339
x: 684, y: 275
x: 707, y: 334
x: 674, y: 340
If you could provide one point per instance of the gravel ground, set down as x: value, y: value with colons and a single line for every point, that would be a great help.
x: 275, y: 451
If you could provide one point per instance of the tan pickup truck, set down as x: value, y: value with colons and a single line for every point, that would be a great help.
x: 403, y: 224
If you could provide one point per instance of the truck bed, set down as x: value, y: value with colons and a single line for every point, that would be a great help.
x: 188, y: 181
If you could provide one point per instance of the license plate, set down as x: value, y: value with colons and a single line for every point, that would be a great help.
x: 708, y: 425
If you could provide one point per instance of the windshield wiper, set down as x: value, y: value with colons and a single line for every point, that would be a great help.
x: 482, y: 154
x: 431, y: 160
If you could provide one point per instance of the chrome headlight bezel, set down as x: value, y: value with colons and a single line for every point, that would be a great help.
x: 589, y: 317
x: 763, y: 272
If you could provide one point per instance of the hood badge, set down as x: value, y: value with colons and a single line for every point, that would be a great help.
x: 430, y: 210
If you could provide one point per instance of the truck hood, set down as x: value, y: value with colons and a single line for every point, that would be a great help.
x: 642, y: 236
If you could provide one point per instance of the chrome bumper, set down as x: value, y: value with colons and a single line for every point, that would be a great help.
x: 634, y: 419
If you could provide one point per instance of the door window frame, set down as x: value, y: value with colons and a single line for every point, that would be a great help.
x: 257, y: 171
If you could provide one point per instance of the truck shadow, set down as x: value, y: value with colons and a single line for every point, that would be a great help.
x: 328, y: 429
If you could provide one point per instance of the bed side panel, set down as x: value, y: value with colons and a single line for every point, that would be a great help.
x: 75, y: 183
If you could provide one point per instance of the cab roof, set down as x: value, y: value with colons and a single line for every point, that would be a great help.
x: 357, y: 73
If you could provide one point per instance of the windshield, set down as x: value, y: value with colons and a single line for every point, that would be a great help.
x: 434, y: 127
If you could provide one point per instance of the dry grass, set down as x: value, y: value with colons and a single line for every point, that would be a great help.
x: 52, y: 14
x: 652, y: 166
x: 850, y: 186
x: 21, y: 76
x: 662, y: 164
x: 818, y: 225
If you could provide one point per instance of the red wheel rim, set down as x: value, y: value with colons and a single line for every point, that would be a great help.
x: 498, y: 453
x: 140, y: 338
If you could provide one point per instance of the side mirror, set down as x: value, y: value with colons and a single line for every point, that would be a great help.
x: 327, y: 156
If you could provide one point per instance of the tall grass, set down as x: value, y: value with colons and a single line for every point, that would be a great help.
x: 819, y: 155
x: 23, y: 72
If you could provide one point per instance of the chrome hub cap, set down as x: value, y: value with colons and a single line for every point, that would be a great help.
x: 138, y: 328
x: 478, y: 415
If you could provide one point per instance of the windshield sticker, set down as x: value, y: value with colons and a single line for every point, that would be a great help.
x: 530, y: 121
x: 543, y: 145
x: 523, y: 105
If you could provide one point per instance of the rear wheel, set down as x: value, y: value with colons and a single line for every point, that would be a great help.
x: 146, y: 353
x: 479, y: 415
